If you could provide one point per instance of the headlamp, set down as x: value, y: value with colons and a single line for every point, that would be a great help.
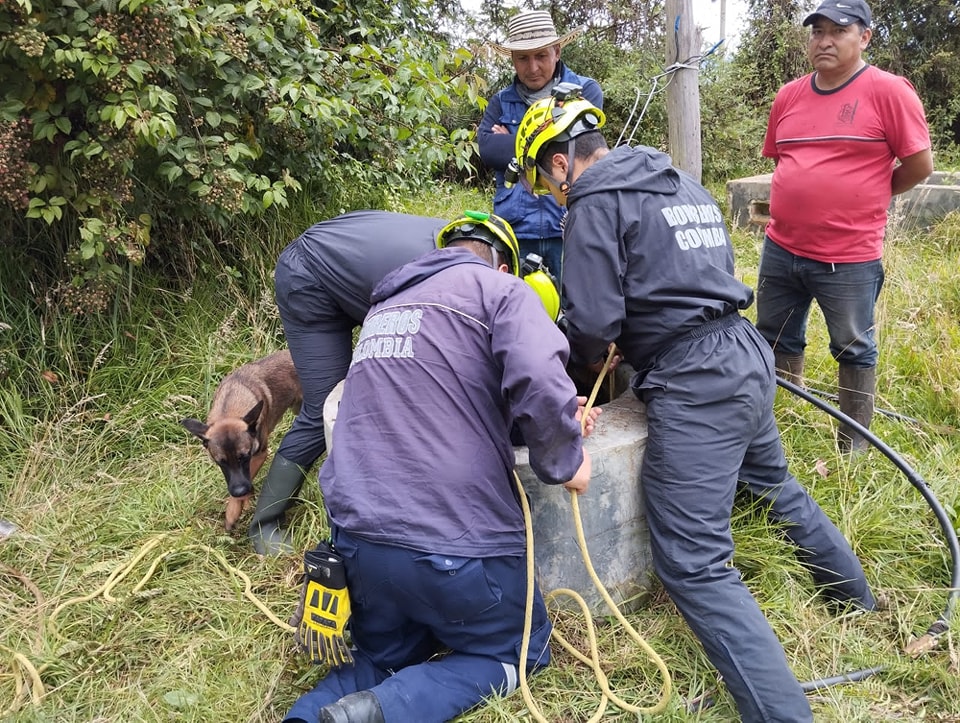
x: 512, y: 174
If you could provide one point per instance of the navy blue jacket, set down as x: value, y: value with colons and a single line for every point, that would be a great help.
x: 348, y: 255
x: 450, y: 355
x: 647, y: 257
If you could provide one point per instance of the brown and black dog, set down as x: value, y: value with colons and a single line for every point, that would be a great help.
x: 248, y: 404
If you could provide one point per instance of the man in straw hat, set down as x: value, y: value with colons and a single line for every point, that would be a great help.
x: 533, y: 45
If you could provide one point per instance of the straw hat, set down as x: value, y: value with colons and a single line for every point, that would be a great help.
x: 532, y: 30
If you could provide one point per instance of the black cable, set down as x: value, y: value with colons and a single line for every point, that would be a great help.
x: 885, y: 412
x: 852, y: 677
x: 942, y: 624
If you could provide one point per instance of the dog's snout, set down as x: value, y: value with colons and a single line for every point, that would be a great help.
x: 240, y: 489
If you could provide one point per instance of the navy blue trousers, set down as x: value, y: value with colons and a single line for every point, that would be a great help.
x: 711, y: 428
x: 434, y: 634
x: 320, y: 336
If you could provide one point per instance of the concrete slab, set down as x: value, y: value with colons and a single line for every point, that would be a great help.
x: 748, y: 201
x: 612, y: 515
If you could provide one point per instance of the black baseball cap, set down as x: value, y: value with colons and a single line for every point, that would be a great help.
x: 842, y: 12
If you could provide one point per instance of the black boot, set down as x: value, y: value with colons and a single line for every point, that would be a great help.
x: 789, y: 367
x: 856, y: 392
x: 280, y: 486
x: 362, y: 707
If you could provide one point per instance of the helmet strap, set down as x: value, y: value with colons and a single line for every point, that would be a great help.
x: 543, y: 172
x: 565, y: 186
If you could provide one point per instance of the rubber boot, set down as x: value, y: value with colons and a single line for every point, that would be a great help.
x: 789, y: 367
x: 856, y: 392
x: 361, y: 707
x: 280, y: 486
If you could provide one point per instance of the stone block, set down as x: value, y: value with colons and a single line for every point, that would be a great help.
x: 748, y: 201
x: 612, y: 515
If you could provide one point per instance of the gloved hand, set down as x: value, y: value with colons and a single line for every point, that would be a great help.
x: 324, y: 608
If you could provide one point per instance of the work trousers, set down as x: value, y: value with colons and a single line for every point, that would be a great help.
x: 320, y: 337
x: 709, y: 401
x: 434, y: 634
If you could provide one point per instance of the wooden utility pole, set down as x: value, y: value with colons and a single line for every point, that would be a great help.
x: 683, y: 93
x: 723, y: 22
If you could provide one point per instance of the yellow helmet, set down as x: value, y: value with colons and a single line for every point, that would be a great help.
x: 485, y: 227
x: 563, y: 116
x: 495, y: 231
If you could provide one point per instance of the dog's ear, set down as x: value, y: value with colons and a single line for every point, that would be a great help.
x: 197, y: 427
x: 251, y: 417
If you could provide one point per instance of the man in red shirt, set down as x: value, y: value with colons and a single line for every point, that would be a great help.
x: 836, y: 136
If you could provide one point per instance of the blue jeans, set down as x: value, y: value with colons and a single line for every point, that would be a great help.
x: 846, y: 294
x: 551, y: 249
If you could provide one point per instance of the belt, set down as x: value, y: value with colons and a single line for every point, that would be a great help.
x: 707, y: 328
x: 698, y: 332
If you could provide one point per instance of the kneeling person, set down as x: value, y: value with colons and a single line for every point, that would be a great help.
x: 419, y: 483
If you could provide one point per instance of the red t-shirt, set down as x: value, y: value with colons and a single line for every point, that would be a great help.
x: 835, y: 153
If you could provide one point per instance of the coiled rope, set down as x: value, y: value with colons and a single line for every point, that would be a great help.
x: 607, y: 695
x: 121, y: 571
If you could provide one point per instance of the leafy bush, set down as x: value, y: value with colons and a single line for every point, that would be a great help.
x: 732, y: 129
x: 124, y: 120
x: 920, y: 39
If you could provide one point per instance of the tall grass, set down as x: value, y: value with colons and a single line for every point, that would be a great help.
x: 95, y: 469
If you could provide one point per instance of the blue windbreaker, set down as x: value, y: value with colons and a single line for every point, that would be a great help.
x: 450, y: 355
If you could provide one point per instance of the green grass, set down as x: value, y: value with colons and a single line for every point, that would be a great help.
x: 95, y: 469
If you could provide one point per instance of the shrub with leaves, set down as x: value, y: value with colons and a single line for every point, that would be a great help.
x: 124, y: 118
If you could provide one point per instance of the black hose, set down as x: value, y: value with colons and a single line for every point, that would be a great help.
x: 942, y: 624
x: 851, y: 677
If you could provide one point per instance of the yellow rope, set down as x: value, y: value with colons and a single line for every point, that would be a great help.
x: 37, y: 690
x: 24, y: 670
x: 121, y: 572
x: 594, y: 660
x: 115, y: 576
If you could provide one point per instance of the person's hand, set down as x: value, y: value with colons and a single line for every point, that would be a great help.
x: 581, y: 480
x: 587, y: 426
x: 597, y: 366
x: 500, y: 129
